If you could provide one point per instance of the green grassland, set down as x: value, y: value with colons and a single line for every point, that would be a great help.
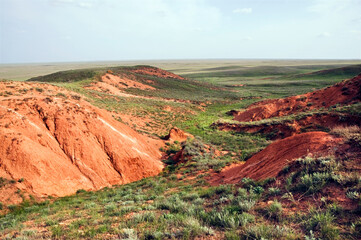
x: 21, y: 72
x: 179, y: 203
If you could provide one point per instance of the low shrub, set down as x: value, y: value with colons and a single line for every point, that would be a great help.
x: 263, y: 231
x: 227, y: 219
x: 274, y: 210
x: 273, y: 191
x: 314, y: 182
x: 322, y: 223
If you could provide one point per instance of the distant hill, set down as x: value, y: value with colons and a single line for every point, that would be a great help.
x: 346, y: 72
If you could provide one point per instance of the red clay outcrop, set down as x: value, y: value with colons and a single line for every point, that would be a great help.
x: 176, y: 134
x: 343, y: 93
x: 270, y: 161
x: 153, y: 71
x: 114, y: 84
x: 54, y: 146
x: 279, y: 130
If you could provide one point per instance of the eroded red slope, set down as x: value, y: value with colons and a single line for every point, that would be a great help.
x: 279, y: 130
x: 153, y: 71
x: 345, y: 92
x: 58, y: 145
x: 270, y: 161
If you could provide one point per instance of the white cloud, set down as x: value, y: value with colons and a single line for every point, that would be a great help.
x: 246, y: 38
x: 78, y: 3
x: 85, y: 4
x: 243, y: 10
x: 56, y: 2
x: 324, y: 34
x: 355, y: 31
x: 334, y: 7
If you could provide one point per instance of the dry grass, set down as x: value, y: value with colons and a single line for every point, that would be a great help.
x: 351, y: 134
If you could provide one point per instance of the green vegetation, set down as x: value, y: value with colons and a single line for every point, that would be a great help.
x: 180, y: 203
x: 66, y: 76
x: 170, y: 207
x: 276, y: 81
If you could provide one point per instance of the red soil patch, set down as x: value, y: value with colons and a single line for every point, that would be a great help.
x: 114, y: 85
x: 175, y: 134
x: 59, y: 146
x: 153, y: 71
x: 345, y: 92
x: 292, y: 127
x: 270, y: 161
x: 124, y: 82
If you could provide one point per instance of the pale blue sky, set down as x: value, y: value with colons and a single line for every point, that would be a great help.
x: 95, y: 30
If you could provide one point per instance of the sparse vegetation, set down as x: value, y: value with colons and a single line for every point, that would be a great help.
x: 302, y: 202
x: 351, y: 134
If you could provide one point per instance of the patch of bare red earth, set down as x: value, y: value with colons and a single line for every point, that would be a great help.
x: 153, y: 71
x: 292, y: 127
x: 176, y: 134
x: 115, y: 85
x: 343, y: 93
x: 58, y: 146
x: 270, y: 161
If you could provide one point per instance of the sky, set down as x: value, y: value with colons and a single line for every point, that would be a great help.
x: 113, y: 30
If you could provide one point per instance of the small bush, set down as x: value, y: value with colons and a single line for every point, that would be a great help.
x: 227, y: 219
x: 173, y: 148
x: 128, y: 233
x: 223, y: 189
x: 263, y: 231
x: 194, y: 228
x: 258, y: 190
x: 143, y: 217
x: 232, y: 235
x: 79, y: 191
x: 75, y: 97
x: 39, y: 89
x: 275, y: 210
x: 353, y: 195
x: 248, y: 183
x: 207, y: 192
x: 223, y: 219
x: 190, y: 196
x: 312, y: 183
x: 246, y: 205
x: 110, y: 208
x: 57, y: 231
x: 60, y: 94
x: 322, y: 223
x: 273, y: 191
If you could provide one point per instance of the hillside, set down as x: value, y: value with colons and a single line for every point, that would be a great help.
x: 53, y: 146
x: 345, y: 72
x: 169, y: 86
x: 156, y: 155
x: 344, y: 93
x: 288, y: 119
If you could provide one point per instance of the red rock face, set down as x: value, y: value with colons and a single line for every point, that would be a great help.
x: 270, y: 161
x: 342, y: 93
x: 175, y: 134
x: 59, y: 146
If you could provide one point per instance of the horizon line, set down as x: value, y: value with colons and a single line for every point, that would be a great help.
x: 185, y: 59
